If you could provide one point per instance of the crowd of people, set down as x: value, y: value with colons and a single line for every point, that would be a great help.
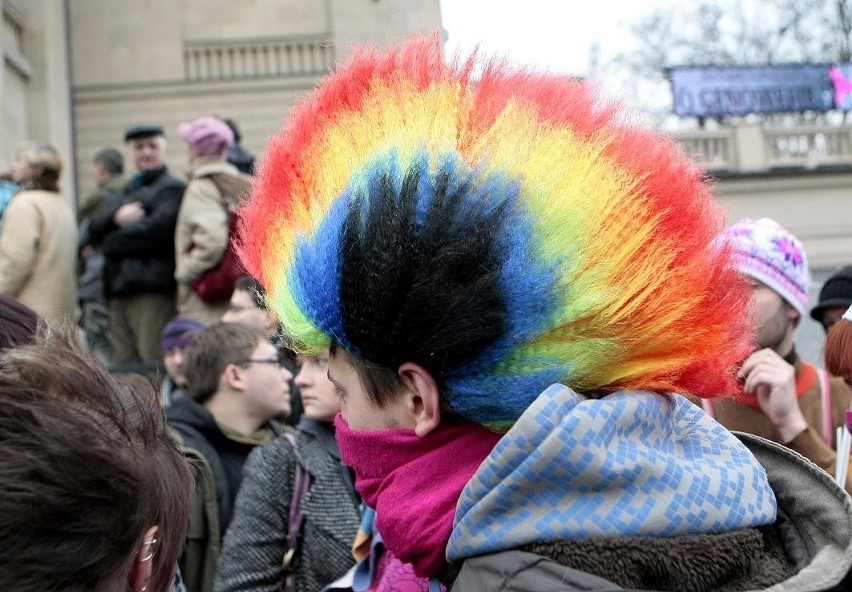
x: 486, y: 335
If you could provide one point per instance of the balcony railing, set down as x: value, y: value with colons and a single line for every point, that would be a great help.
x: 715, y: 150
x: 808, y: 146
x: 753, y: 148
x: 257, y: 58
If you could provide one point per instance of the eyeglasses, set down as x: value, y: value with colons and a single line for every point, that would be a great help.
x: 280, y: 362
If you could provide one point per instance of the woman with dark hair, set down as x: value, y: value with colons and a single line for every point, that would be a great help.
x: 95, y: 493
x: 38, y: 245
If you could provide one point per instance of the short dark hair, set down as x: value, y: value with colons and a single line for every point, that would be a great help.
x: 236, y: 131
x: 87, y: 466
x: 210, y: 352
x: 380, y: 383
x: 111, y: 159
x: 251, y: 285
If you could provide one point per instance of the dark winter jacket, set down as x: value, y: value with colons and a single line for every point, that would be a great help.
x: 219, y: 458
x: 140, y: 257
x: 92, y: 262
x: 242, y: 159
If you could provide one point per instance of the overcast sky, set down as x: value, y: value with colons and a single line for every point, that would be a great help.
x: 556, y: 34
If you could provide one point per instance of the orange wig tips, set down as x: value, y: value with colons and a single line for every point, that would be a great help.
x: 516, y: 229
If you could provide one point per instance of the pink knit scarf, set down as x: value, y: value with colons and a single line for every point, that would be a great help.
x: 414, y: 483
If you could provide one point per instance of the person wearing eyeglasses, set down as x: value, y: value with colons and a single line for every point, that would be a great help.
x: 248, y: 305
x: 237, y: 385
x: 257, y: 539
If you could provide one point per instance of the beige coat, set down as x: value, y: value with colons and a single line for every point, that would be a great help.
x: 38, y: 254
x: 202, y: 222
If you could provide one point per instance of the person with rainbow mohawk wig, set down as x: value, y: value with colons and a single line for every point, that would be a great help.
x: 513, y: 281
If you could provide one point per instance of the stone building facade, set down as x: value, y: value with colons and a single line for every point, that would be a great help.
x: 169, y: 61
x: 78, y: 72
x: 35, y: 88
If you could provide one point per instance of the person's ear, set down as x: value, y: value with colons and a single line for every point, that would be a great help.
x: 793, y: 315
x: 142, y: 568
x: 424, y: 400
x: 234, y: 377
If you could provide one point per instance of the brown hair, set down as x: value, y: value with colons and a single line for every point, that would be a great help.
x: 253, y: 288
x: 381, y: 383
x: 87, y: 466
x: 210, y: 352
x: 838, y: 349
x: 46, y: 163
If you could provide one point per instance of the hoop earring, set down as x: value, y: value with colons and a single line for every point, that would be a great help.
x: 152, y: 547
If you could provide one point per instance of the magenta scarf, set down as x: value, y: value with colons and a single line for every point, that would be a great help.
x: 415, y: 483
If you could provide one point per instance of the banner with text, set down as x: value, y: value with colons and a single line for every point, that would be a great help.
x: 706, y: 91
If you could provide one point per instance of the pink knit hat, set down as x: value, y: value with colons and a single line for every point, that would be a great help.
x: 207, y: 136
x: 767, y: 252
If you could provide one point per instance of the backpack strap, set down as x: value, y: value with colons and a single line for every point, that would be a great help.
x: 225, y: 201
x: 193, y: 442
x: 233, y: 190
x: 301, y: 485
x: 827, y: 415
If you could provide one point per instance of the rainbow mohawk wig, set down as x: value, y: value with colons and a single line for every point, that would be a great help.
x: 505, y: 232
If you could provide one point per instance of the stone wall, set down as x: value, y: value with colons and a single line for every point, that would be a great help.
x: 169, y: 61
x: 35, y: 101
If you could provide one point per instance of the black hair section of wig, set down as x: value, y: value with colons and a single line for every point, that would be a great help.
x: 427, y: 294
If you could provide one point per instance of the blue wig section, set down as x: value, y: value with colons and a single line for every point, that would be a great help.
x: 488, y: 389
x: 370, y: 180
x: 494, y: 399
x: 315, y: 275
x: 527, y: 282
x: 316, y: 271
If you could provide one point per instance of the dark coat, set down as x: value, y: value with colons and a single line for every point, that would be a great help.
x: 242, y: 159
x: 255, y: 543
x: 91, y: 280
x: 219, y: 459
x: 140, y: 257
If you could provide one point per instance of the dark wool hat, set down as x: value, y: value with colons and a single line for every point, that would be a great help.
x: 18, y: 323
x: 141, y: 130
x: 178, y: 332
x: 836, y: 292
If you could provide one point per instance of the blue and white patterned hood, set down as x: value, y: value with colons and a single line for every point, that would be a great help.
x: 630, y: 464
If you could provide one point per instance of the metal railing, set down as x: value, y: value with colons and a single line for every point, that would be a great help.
x: 257, y: 58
